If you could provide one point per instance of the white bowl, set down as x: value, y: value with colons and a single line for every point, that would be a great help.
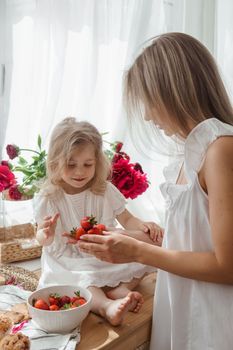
x: 61, y: 321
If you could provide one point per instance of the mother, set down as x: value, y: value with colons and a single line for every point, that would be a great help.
x: 176, y: 83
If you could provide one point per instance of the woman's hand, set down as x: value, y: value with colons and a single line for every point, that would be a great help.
x: 111, y: 246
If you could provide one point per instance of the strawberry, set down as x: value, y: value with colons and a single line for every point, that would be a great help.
x: 64, y: 300
x: 54, y: 307
x: 88, y: 222
x: 101, y: 227
x: 82, y: 301
x: 77, y: 296
x: 79, y: 302
x: 54, y: 299
x: 41, y: 304
x: 94, y: 231
x: 79, y: 232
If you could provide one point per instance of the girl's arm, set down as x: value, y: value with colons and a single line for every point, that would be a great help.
x: 130, y: 222
x: 211, y: 266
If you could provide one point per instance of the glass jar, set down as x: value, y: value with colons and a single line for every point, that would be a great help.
x: 16, y: 218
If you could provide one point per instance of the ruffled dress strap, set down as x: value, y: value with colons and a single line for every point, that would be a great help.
x: 198, y: 141
x: 195, y: 148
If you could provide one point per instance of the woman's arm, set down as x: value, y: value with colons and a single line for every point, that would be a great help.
x: 214, y: 266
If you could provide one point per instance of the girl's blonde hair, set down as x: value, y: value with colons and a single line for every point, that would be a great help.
x: 66, y: 136
x: 178, y: 75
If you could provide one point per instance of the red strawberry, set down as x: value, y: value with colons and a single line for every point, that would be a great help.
x: 77, y: 296
x: 41, y: 304
x: 101, y: 227
x: 64, y: 300
x: 94, y: 231
x: 54, y: 299
x: 88, y: 222
x: 82, y: 301
x: 79, y: 302
x: 79, y: 232
x: 54, y: 307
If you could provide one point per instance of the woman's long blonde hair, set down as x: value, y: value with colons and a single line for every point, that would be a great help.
x: 66, y: 136
x: 178, y: 75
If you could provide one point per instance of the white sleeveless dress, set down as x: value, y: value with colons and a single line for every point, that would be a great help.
x: 189, y: 314
x: 63, y: 263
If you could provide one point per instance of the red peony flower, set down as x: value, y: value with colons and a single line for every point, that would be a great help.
x: 14, y: 193
x: 12, y: 151
x: 118, y: 146
x: 6, y: 163
x: 7, y: 178
x: 130, y: 181
x: 137, y: 166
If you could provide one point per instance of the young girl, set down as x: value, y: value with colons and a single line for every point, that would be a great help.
x: 177, y: 81
x: 76, y: 187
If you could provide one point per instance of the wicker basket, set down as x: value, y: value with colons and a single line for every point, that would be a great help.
x: 22, y: 247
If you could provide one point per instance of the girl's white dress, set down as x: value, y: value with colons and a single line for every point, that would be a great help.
x: 189, y: 314
x: 63, y: 263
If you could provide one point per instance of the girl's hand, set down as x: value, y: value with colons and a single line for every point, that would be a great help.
x: 70, y: 240
x: 111, y: 246
x: 155, y: 232
x: 46, y: 230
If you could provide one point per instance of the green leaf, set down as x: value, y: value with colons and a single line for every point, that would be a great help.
x: 22, y: 161
x: 39, y: 141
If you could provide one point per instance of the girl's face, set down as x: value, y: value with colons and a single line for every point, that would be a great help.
x: 80, y: 169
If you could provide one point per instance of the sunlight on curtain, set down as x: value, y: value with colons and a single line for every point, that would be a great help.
x: 224, y: 40
x: 68, y: 57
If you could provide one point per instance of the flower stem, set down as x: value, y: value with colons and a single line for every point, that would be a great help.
x: 29, y: 150
x: 110, y: 143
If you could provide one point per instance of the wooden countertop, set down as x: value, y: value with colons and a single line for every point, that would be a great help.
x: 98, y: 334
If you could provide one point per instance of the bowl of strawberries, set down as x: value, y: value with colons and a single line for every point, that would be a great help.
x: 59, y: 309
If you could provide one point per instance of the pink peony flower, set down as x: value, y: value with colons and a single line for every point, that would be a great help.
x: 12, y: 151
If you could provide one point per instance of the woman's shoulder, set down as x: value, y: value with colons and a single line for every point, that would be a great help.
x: 220, y: 152
x: 206, y: 138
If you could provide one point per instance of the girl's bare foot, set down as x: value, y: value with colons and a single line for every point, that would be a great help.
x: 116, y: 310
x: 138, y: 301
x: 122, y: 289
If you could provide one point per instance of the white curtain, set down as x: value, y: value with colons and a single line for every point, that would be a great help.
x: 67, y: 57
x: 224, y: 41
